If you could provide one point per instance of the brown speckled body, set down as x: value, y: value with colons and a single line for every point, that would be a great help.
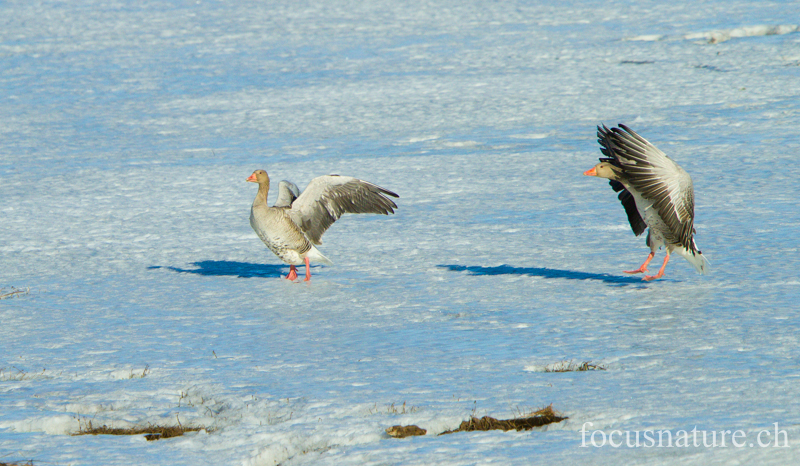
x: 278, y: 232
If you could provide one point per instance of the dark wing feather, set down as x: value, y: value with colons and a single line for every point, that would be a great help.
x: 329, y: 197
x: 626, y: 198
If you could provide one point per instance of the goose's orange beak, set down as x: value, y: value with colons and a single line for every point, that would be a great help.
x: 590, y: 172
x: 252, y: 178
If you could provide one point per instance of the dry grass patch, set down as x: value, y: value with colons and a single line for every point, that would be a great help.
x: 27, y: 463
x: 405, y: 431
x: 20, y: 375
x: 10, y: 294
x: 395, y: 409
x: 150, y: 432
x: 538, y: 418
x: 142, y: 375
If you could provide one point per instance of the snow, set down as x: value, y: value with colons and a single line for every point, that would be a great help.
x: 128, y: 130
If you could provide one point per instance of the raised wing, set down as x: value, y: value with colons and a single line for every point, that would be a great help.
x: 625, y: 197
x: 328, y: 197
x: 287, y: 193
x: 656, y: 178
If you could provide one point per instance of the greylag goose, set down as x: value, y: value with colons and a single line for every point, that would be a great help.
x: 293, y: 227
x: 655, y: 192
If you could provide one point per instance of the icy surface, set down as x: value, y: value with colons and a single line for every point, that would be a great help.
x: 127, y: 130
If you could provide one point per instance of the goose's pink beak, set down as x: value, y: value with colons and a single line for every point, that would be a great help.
x: 252, y: 178
x: 590, y: 172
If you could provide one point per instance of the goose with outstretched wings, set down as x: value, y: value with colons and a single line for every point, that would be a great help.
x: 294, y: 226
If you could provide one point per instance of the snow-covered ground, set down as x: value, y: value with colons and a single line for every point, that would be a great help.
x: 127, y: 130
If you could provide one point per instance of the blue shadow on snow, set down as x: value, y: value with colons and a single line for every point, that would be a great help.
x: 230, y: 268
x: 543, y: 272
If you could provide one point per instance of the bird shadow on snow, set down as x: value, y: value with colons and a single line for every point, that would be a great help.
x: 545, y: 273
x: 229, y: 268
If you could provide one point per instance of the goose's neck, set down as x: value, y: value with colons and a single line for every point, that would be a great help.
x: 261, y: 197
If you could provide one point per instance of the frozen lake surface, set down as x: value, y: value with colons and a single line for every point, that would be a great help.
x: 128, y: 129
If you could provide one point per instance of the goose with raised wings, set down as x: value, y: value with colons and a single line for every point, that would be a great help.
x: 294, y: 226
x: 655, y: 192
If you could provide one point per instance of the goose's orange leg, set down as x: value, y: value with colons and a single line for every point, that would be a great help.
x: 643, y: 268
x: 308, y: 270
x: 292, y: 273
x: 660, y: 271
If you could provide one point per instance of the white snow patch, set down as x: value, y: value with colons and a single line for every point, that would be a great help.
x: 647, y: 37
x: 416, y: 139
x: 532, y: 136
x: 54, y: 425
x: 460, y: 144
x: 716, y: 37
x: 722, y: 35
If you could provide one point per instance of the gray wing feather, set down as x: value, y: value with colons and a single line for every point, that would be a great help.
x: 287, y: 193
x: 328, y: 197
x: 658, y: 179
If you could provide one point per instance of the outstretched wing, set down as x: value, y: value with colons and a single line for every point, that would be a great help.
x: 287, y: 193
x: 625, y: 197
x: 327, y: 198
x: 658, y: 179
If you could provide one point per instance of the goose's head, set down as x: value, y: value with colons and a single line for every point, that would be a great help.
x: 605, y: 170
x: 259, y: 176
